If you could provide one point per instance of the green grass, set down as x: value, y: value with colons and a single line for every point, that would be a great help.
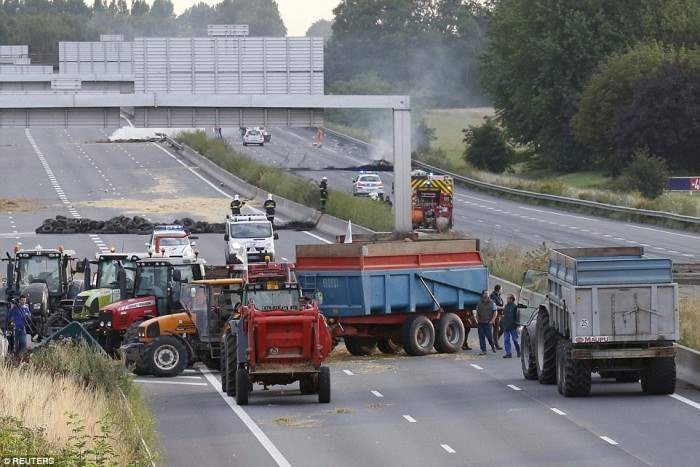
x: 448, y: 125
x: 358, y: 133
x: 362, y: 211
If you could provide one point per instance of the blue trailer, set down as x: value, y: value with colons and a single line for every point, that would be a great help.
x: 418, y: 295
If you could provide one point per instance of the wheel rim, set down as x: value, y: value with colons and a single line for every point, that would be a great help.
x: 452, y: 333
x: 423, y: 336
x: 166, y: 357
x: 540, y: 350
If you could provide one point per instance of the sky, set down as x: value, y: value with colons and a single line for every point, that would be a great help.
x: 298, y: 15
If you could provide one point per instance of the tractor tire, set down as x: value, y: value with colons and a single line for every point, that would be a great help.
x: 449, y: 334
x: 359, y: 346
x: 324, y: 385
x: 573, y: 376
x: 308, y: 385
x: 166, y: 357
x: 660, y: 376
x: 527, y: 356
x: 418, y: 336
x: 229, y: 370
x: 546, y: 349
x: 388, y: 346
x: 242, y: 386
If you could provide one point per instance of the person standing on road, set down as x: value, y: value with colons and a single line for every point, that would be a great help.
x: 270, y: 206
x: 485, y: 315
x: 219, y: 134
x: 323, y: 192
x: 509, y: 324
x: 236, y: 205
x: 18, y: 319
x: 498, y: 300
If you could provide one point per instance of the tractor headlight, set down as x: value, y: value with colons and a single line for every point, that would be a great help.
x: 102, y: 324
x: 36, y: 306
x: 109, y: 324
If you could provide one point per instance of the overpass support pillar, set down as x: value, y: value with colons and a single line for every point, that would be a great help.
x: 402, y: 171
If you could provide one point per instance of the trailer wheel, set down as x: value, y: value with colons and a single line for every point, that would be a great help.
x: 166, y: 356
x: 449, y: 334
x: 308, y: 385
x: 573, y: 376
x: 660, y: 376
x: 546, y: 349
x: 359, y: 346
x: 418, y: 336
x: 242, y: 386
x: 527, y: 356
x: 231, y: 359
x: 324, y: 385
x: 388, y: 346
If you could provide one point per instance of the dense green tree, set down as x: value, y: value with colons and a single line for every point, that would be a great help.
x: 139, y: 8
x: 646, y: 174
x: 321, y: 28
x: 195, y: 19
x: 262, y: 16
x: 663, y: 116
x: 162, y: 9
x: 541, y: 53
x: 487, y: 147
x: 431, y: 45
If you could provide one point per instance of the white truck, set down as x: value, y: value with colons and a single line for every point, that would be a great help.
x: 252, y: 232
x: 607, y: 310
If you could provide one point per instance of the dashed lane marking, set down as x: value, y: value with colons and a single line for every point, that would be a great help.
x: 447, y: 448
x: 557, y: 411
x: 609, y: 440
x: 477, y: 366
x: 514, y: 387
x: 377, y: 394
x: 249, y: 422
x: 348, y: 372
x: 685, y: 400
x: 409, y: 419
x: 188, y: 377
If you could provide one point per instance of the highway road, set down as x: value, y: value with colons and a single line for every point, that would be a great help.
x: 481, y: 215
x: 439, y: 410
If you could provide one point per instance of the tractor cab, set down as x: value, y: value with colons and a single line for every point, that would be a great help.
x: 45, y: 276
x: 272, y: 286
x: 106, y: 285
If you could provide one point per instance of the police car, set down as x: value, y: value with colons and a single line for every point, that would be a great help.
x: 367, y: 184
x: 172, y: 241
x: 252, y: 232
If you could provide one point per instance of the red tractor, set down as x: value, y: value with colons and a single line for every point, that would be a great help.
x: 276, y: 337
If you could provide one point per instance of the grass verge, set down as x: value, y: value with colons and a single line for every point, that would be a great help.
x: 689, y: 309
x: 362, y: 211
x: 66, y: 402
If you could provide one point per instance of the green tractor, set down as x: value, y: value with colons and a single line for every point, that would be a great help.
x: 46, y: 277
x: 106, y: 286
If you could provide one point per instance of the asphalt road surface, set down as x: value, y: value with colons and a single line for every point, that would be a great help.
x: 439, y: 410
x: 487, y: 217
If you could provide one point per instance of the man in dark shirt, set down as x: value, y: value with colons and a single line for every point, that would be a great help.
x: 17, y: 322
x: 509, y: 324
x: 485, y: 316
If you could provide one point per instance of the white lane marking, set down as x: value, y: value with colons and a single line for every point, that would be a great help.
x: 688, y: 255
x: 514, y: 387
x: 685, y: 400
x: 477, y: 366
x: 311, y: 234
x: 189, y: 370
x: 447, y: 448
x: 17, y: 234
x: 557, y: 411
x: 182, y: 383
x: 667, y: 232
x: 188, y: 377
x: 249, y: 422
x: 348, y: 372
x: 377, y: 394
x: 409, y: 419
x: 609, y: 440
x: 674, y: 252
x: 558, y: 214
x: 477, y: 198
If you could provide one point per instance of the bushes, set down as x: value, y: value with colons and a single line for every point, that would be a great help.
x: 362, y: 211
x: 67, y: 399
x: 646, y: 174
x: 487, y: 147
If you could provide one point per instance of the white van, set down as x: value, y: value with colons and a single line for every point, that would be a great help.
x: 254, y: 233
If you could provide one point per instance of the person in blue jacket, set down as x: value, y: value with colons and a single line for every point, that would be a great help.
x: 18, y: 320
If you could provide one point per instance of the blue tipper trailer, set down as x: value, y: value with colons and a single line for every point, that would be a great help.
x: 415, y: 294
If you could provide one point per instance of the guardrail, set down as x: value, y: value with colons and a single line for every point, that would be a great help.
x: 562, y: 200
